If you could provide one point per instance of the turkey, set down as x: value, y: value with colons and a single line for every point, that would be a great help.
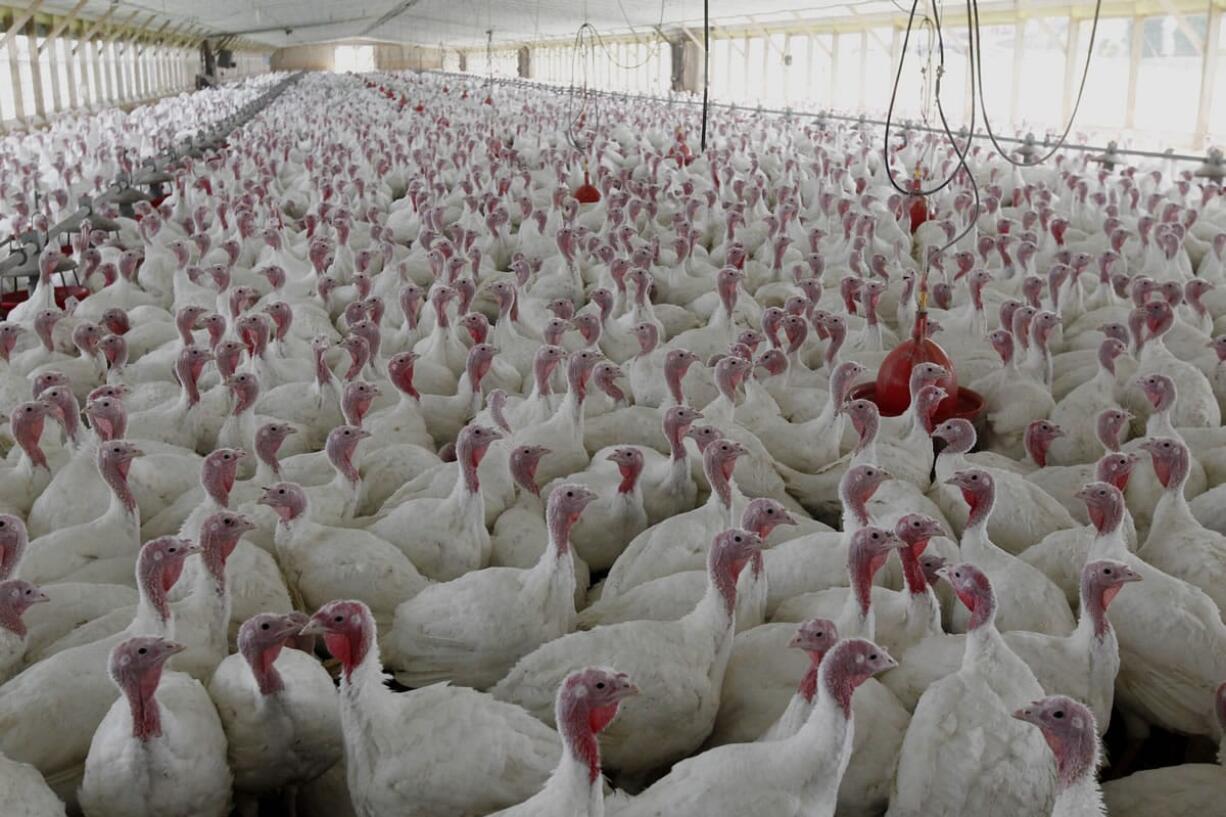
x: 160, y: 749
x: 587, y: 702
x: 790, y: 777
x: 472, y: 630
x: 1072, y: 733
x: 279, y: 711
x: 986, y: 760
x: 398, y: 748
x: 681, y: 664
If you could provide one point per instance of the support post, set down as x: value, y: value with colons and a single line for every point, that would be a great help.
x: 36, y: 75
x: 1208, y: 74
x: 19, y: 21
x: 1134, y: 68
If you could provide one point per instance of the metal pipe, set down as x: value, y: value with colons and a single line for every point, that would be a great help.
x: 31, y: 245
x: 1168, y: 154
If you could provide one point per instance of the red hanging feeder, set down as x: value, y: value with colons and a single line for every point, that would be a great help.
x: 892, y: 392
x: 587, y: 192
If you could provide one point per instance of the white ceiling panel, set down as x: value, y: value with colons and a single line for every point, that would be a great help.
x: 465, y: 22
x: 453, y: 22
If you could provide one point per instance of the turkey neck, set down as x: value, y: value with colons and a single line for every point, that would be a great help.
x: 975, y: 541
x: 923, y: 609
x: 1172, y: 513
x: 556, y: 567
x: 122, y: 507
x: 141, y: 694
x: 855, y: 512
x: 579, y: 767
x: 1159, y: 424
x: 1096, y: 640
x: 856, y: 619
x: 818, y: 753
x: 715, y: 612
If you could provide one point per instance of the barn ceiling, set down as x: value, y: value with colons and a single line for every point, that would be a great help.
x: 455, y: 22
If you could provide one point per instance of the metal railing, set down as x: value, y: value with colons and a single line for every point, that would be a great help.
x: 24, y: 250
x: 1212, y: 157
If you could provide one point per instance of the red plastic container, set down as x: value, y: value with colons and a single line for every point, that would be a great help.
x: 892, y: 392
x: 587, y: 192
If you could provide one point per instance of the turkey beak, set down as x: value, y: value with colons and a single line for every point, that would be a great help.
x: 174, y: 647
x: 786, y: 519
x: 1131, y: 575
x: 313, y: 627
x: 39, y: 596
x: 1024, y: 715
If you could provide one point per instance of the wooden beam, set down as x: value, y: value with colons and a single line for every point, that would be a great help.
x: 1070, y: 68
x: 36, y: 78
x: 692, y: 37
x: 97, y: 24
x: 25, y: 17
x: 1208, y: 76
x: 1134, y: 67
x: 64, y: 22
x: 1192, y: 35
x: 130, y: 36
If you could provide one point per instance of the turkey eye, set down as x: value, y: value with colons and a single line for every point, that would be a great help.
x: 264, y: 626
x: 770, y: 510
x: 1058, y: 714
x: 339, y: 619
x: 736, y: 538
x: 600, y: 685
x: 142, y: 651
x: 171, y: 550
x: 229, y: 521
x: 872, y: 657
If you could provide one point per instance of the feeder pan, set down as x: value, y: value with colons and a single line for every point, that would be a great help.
x: 1214, y: 166
x: 128, y: 196
x: 587, y: 192
x: 9, y: 300
x: 892, y: 394
x: 1109, y: 158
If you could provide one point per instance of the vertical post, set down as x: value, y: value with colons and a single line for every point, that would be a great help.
x: 1134, y: 68
x: 36, y: 72
x: 76, y: 73
x: 1070, y: 67
x: 1019, y: 46
x: 834, y: 67
x: 1208, y: 73
x: 812, y: 46
x: 863, y: 64
x: 19, y: 108
x: 52, y: 44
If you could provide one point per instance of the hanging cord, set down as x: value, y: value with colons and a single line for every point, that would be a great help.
x: 706, y: 70
x: 977, y: 67
x: 972, y: 52
x: 580, y: 51
x: 889, y: 118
